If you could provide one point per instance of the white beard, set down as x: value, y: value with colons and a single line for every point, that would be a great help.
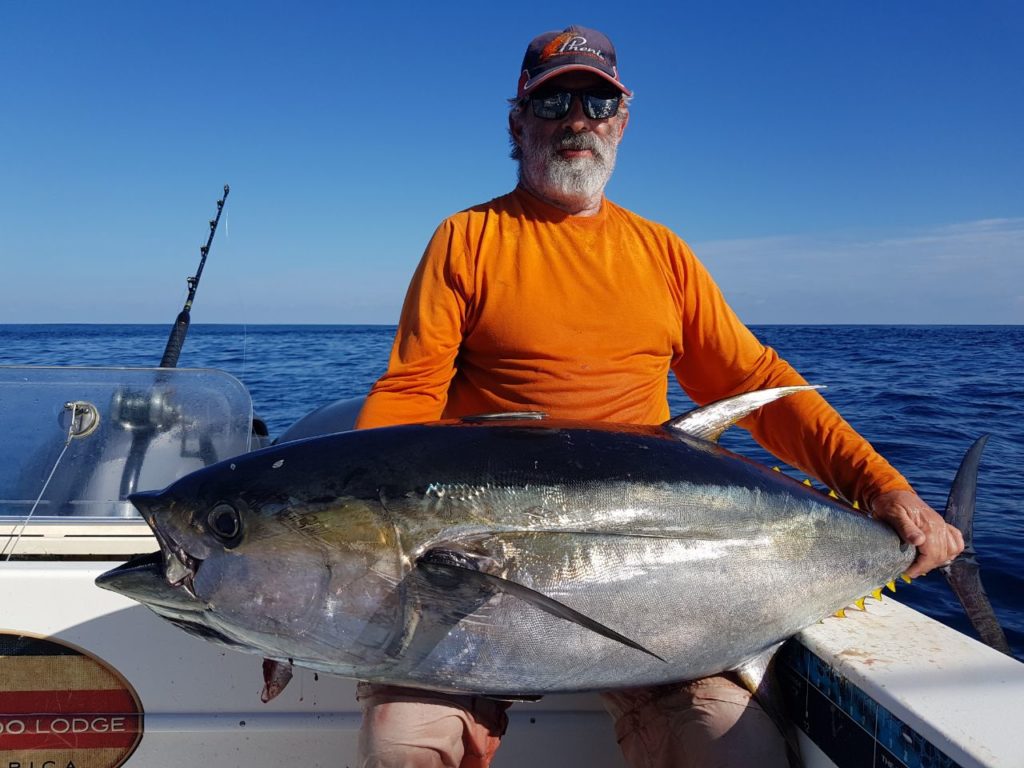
x: 574, y: 182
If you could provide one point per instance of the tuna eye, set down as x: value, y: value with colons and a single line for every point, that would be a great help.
x: 225, y: 523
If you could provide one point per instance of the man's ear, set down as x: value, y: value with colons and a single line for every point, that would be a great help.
x: 622, y: 125
x: 514, y: 129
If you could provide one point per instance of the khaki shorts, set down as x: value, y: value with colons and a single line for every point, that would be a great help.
x: 412, y: 728
x: 710, y: 723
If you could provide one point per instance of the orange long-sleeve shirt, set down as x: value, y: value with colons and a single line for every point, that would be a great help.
x: 517, y: 305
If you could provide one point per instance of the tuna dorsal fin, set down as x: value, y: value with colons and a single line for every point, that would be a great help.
x: 503, y: 416
x: 710, y: 421
x: 442, y: 565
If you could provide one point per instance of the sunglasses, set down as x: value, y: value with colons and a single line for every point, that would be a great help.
x: 554, y: 104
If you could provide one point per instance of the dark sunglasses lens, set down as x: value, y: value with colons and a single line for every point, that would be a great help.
x: 600, y: 107
x: 551, y: 105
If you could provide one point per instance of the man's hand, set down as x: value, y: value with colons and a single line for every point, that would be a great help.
x: 920, y: 525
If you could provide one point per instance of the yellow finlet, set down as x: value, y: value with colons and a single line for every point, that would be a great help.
x: 905, y: 578
x: 807, y: 481
x: 841, y: 613
x: 832, y: 494
x: 776, y: 469
x: 891, y: 586
x: 860, y: 603
x: 877, y: 593
x: 856, y: 505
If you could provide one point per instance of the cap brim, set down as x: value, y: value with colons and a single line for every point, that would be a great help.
x: 543, y: 78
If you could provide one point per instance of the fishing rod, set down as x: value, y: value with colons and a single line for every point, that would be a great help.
x: 147, y: 414
x: 180, y: 328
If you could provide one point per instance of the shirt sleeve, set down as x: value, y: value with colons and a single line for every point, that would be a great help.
x: 415, y: 387
x: 722, y: 358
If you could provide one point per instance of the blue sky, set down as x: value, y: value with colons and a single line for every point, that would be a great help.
x: 830, y: 162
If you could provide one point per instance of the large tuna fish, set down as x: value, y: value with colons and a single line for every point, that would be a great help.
x: 507, y: 556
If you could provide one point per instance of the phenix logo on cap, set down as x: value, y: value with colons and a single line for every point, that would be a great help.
x: 574, y: 49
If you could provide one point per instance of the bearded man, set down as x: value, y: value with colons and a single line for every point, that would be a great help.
x: 553, y: 298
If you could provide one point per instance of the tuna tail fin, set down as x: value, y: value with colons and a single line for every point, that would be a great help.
x: 710, y: 421
x: 963, y: 574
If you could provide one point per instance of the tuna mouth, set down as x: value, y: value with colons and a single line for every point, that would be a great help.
x: 181, y: 573
x: 143, y: 578
x: 179, y: 566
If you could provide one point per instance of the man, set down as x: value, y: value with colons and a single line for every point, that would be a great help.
x: 553, y: 298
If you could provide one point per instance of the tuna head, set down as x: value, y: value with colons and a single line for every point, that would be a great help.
x: 276, y: 557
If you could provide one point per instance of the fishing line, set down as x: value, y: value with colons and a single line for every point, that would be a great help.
x: 77, y: 427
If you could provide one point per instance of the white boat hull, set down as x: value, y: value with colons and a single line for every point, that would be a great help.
x: 934, y: 696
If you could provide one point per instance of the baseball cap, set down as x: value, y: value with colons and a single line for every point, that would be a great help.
x: 571, y: 50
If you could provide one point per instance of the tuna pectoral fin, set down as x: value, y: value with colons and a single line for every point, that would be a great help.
x: 439, y: 566
x: 963, y: 574
x: 710, y: 421
x: 758, y: 675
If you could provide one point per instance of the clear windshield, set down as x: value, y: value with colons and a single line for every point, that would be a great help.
x: 91, y: 436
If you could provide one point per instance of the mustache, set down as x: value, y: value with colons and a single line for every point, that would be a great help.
x: 578, y: 141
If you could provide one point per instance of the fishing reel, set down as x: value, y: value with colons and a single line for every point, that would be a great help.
x: 151, y: 411
x: 147, y: 415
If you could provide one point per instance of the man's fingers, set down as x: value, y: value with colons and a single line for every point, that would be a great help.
x: 956, y: 541
x: 899, y: 518
x: 939, y: 550
x: 918, y: 524
x: 914, y: 535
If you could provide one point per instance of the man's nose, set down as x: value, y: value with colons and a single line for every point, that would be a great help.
x: 576, y: 119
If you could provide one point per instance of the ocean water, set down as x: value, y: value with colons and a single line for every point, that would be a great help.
x: 920, y: 394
